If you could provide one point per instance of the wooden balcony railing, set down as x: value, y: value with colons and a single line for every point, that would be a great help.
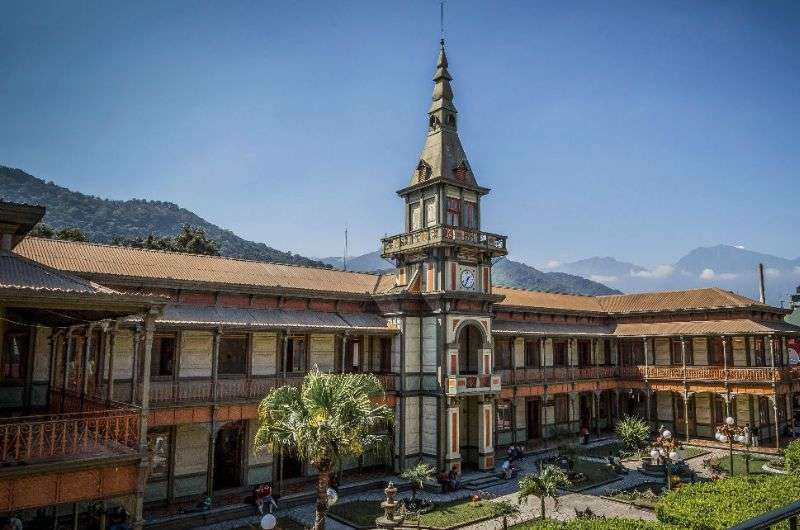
x: 556, y: 374
x: 231, y: 388
x: 473, y: 384
x: 31, y: 439
x: 707, y: 373
x: 436, y: 235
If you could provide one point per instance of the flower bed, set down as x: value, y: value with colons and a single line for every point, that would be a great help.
x: 362, y: 514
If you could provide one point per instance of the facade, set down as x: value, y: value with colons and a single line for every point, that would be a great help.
x: 188, y: 345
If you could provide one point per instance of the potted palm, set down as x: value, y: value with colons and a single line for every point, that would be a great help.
x: 417, y: 476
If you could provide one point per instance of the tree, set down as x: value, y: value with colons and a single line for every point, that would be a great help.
x: 505, y: 510
x: 417, y: 476
x: 193, y: 240
x: 330, y: 418
x: 543, y: 484
x: 634, y: 432
x: 42, y: 230
x: 71, y: 234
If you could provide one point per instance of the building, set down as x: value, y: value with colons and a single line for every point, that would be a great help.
x: 188, y: 345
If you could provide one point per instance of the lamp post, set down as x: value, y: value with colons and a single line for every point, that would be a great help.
x: 666, y: 448
x: 728, y: 433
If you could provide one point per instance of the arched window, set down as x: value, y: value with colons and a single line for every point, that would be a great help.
x: 470, y: 340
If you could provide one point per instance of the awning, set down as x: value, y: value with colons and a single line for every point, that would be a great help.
x: 189, y: 315
x: 510, y: 327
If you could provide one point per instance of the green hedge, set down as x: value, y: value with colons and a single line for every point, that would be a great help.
x: 593, y: 523
x: 791, y: 457
x: 725, y: 503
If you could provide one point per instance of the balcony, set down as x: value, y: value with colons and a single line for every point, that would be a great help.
x: 231, y: 389
x: 56, y: 437
x: 556, y: 374
x: 441, y: 236
x: 764, y: 374
x: 473, y: 384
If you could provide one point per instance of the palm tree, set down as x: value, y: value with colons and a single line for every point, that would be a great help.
x: 543, y: 484
x: 417, y: 476
x: 330, y: 418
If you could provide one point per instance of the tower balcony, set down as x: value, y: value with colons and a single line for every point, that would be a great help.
x: 459, y: 385
x: 439, y: 235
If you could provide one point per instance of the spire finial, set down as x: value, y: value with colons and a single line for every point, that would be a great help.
x: 441, y: 22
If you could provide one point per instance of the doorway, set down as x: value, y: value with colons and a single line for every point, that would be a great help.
x: 586, y: 411
x: 291, y: 467
x: 228, y: 456
x: 533, y: 415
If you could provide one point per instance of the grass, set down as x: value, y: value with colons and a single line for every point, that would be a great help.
x: 595, y: 473
x: 644, y: 495
x: 692, y: 452
x: 723, y: 464
x: 363, y: 513
x: 600, y: 451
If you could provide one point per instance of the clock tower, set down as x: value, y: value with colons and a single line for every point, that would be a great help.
x: 444, y: 263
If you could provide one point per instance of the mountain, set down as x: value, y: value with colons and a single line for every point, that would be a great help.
x: 369, y: 262
x: 102, y: 220
x: 515, y: 274
x: 729, y: 267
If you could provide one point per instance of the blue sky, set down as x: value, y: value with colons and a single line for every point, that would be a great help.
x: 633, y: 129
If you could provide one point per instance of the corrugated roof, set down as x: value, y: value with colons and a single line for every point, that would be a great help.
x: 707, y: 298
x: 181, y: 314
x: 547, y: 300
x: 703, y: 327
x: 18, y: 272
x: 509, y: 327
x: 92, y: 258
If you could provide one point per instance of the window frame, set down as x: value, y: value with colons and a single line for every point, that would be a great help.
x: 245, y: 360
x: 453, y: 211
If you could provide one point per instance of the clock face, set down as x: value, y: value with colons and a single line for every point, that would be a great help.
x: 467, y: 279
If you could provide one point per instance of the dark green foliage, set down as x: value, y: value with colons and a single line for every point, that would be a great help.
x: 103, y: 220
x: 725, y: 503
x: 791, y: 457
x: 42, y: 230
x: 634, y: 432
x: 594, y: 523
x: 191, y: 240
x: 67, y: 234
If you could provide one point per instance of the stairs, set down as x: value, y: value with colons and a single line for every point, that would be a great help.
x: 480, y: 481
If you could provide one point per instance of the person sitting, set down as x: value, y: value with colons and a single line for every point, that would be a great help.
x: 453, y: 479
x: 584, y: 435
x: 508, y: 470
x: 265, y: 503
x: 511, y: 452
x: 444, y: 481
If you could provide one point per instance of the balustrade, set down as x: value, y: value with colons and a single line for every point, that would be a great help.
x: 443, y: 234
x: 706, y: 373
x: 30, y: 439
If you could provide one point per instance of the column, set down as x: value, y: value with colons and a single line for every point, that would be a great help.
x: 485, y: 442
x: 648, y: 394
x: 212, y: 442
x: 725, y: 357
x: 52, y: 342
x: 112, y: 346
x: 285, y: 353
x: 596, y: 411
x: 646, y: 355
x: 149, y: 329
x: 87, y: 349
x: 215, y: 365
x: 67, y: 355
x: 137, y: 339
x: 616, y: 405
x: 683, y: 356
x: 686, y: 395
x: 774, y: 399
x: 453, y: 453
x: 344, y: 352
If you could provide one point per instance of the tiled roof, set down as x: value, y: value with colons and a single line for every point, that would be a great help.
x: 20, y: 273
x: 659, y: 301
x: 703, y: 327
x: 179, y: 314
x: 509, y: 327
x: 547, y: 300
x: 108, y: 260
x: 708, y: 298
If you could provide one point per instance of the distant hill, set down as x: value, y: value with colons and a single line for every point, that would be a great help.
x: 102, y: 220
x: 504, y: 272
x: 515, y: 274
x: 370, y: 262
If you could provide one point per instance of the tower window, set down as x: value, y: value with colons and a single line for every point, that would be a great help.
x: 470, y: 214
x: 460, y: 171
x: 423, y: 171
x: 453, y: 211
x: 451, y: 120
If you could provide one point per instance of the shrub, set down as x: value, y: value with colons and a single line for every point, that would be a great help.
x: 728, y: 502
x: 634, y: 432
x: 791, y: 457
x: 593, y: 523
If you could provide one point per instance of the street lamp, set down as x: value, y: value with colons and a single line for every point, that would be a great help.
x: 666, y: 448
x: 728, y: 433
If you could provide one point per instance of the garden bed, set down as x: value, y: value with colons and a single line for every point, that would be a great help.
x: 643, y: 495
x: 757, y: 462
x: 362, y: 514
x: 596, y: 474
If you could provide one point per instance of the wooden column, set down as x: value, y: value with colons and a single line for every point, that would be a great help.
x: 112, y: 345
x: 137, y: 339
x: 145, y: 354
x: 646, y: 355
x: 87, y: 349
x: 51, y: 370
x: 67, y: 354
x: 212, y: 440
x: 285, y: 353
x: 215, y: 365
x: 686, y: 397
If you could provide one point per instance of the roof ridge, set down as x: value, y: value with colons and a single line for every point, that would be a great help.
x: 693, y: 289
x: 205, y: 256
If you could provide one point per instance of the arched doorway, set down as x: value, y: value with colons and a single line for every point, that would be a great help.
x: 470, y: 342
